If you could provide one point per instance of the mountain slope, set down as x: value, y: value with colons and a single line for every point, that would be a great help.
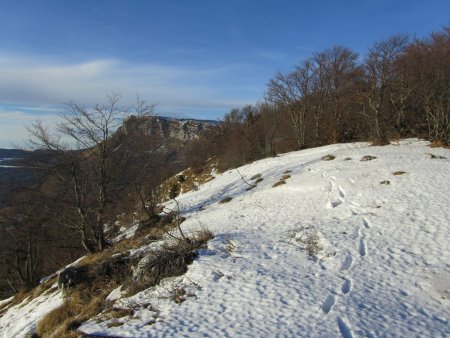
x: 344, y: 247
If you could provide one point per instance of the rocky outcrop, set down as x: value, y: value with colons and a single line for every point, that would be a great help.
x: 165, y: 127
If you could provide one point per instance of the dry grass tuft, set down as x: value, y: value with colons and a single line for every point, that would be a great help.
x: 202, y: 236
x: 397, y: 173
x: 385, y: 182
x: 259, y: 180
x: 313, y: 244
x: 367, y: 158
x: 433, y: 157
x: 278, y: 184
x: 285, y: 177
x: 328, y: 157
x: 255, y: 177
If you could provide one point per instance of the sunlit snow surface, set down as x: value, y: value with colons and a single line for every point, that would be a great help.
x: 384, y: 270
x: 22, y: 319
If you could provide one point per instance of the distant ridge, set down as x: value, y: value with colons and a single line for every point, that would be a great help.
x: 12, y: 153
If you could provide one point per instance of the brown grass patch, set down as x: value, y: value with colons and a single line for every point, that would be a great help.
x: 285, y: 177
x: 189, y: 179
x: 259, y: 180
x: 380, y: 142
x: 64, y: 321
x: 439, y: 144
x: 278, y: 184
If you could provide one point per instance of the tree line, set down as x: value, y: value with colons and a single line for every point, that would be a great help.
x: 400, y: 88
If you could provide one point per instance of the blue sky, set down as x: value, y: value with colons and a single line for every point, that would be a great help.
x: 195, y: 58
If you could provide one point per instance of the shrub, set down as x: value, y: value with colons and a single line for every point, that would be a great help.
x: 169, y: 261
x: 157, y: 265
x: 385, y: 182
x: 285, y: 177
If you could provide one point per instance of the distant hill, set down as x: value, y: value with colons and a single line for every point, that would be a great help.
x: 136, y: 132
x: 12, y: 153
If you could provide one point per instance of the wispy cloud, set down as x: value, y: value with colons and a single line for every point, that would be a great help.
x: 28, y: 81
x: 272, y: 55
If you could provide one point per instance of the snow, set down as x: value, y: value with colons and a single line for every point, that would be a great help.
x: 21, y: 319
x: 383, y: 271
x: 6, y: 301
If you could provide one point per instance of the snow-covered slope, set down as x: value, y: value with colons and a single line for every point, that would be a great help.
x: 383, y: 269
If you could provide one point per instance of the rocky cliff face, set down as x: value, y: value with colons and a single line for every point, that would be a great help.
x: 164, y: 127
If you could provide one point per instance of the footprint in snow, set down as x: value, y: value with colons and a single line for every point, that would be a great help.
x: 356, y: 233
x: 366, y: 223
x: 341, y: 191
x: 347, y: 264
x: 333, y: 204
x: 362, y: 247
x: 346, y: 286
x: 328, y: 304
x: 344, y: 328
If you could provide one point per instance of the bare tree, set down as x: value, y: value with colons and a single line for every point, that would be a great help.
x: 336, y: 70
x: 294, y: 92
x: 86, y: 166
x: 380, y: 75
x: 427, y: 63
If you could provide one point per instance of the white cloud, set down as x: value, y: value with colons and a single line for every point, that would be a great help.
x: 30, y: 81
